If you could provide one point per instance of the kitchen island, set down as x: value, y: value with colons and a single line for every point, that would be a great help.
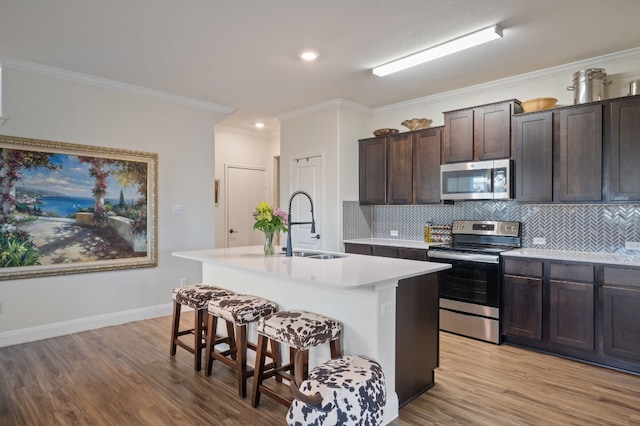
x: 359, y: 291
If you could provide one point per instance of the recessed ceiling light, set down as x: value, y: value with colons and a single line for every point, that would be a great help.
x: 309, y: 55
x: 259, y: 125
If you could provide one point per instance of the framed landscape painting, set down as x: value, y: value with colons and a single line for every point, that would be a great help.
x: 69, y: 208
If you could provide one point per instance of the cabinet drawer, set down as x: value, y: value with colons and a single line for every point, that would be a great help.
x: 622, y: 276
x: 413, y: 254
x: 385, y: 251
x: 571, y: 272
x: 527, y: 268
x: 357, y: 248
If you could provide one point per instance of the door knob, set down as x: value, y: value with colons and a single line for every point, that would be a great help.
x: 231, y: 231
x: 317, y: 236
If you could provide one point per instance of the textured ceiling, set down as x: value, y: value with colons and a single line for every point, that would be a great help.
x: 243, y: 53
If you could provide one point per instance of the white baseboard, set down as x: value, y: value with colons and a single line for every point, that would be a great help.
x: 31, y: 334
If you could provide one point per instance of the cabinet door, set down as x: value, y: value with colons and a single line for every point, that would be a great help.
x: 385, y: 251
x: 534, y: 157
x: 624, y: 137
x: 373, y: 171
x: 458, y: 136
x: 492, y: 131
x: 400, y: 176
x: 621, y: 313
x: 427, y: 147
x: 571, y: 314
x: 522, y: 307
x: 580, y: 153
x: 413, y: 254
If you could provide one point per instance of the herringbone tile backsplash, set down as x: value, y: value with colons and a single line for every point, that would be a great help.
x: 580, y: 227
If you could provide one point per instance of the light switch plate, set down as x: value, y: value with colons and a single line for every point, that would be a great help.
x: 539, y: 241
x: 632, y: 245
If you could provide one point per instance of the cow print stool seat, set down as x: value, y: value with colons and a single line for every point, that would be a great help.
x: 238, y: 310
x: 197, y: 297
x: 349, y: 390
x: 300, y: 330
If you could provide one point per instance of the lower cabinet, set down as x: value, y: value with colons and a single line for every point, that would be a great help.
x: 584, y: 311
x: 621, y: 313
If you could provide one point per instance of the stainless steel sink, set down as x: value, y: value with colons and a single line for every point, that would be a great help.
x: 328, y: 256
x: 317, y: 255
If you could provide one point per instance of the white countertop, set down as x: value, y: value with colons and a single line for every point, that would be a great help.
x: 576, y: 256
x: 349, y: 272
x: 393, y: 243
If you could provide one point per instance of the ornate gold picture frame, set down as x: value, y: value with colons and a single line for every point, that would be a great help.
x: 69, y: 208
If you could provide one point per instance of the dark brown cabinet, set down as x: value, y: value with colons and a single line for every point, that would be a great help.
x: 579, y: 169
x: 400, y: 169
x: 571, y: 305
x: 458, y: 136
x: 621, y: 313
x: 373, y: 170
x: 534, y: 156
x: 479, y: 133
x: 624, y: 142
x: 427, y: 147
x: 585, y: 311
x: 522, y: 299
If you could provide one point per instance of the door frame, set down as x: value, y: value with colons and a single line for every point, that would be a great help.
x: 228, y: 166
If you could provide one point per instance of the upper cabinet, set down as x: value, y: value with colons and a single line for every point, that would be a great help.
x: 579, y: 168
x: 534, y: 156
x: 401, y: 169
x: 582, y: 153
x: 479, y: 133
x: 373, y: 170
x: 624, y: 139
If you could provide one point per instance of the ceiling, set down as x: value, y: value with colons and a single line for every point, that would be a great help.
x: 243, y: 53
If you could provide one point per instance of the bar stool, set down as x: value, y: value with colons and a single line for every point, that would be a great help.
x: 300, y: 330
x: 348, y: 390
x: 237, y: 310
x: 196, y: 296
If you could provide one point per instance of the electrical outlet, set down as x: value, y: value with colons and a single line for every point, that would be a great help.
x: 177, y: 209
x: 386, y: 308
x: 394, y: 233
x: 632, y: 245
x: 539, y: 241
x: 183, y: 282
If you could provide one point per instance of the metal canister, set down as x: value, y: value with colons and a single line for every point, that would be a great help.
x: 589, y: 85
x: 634, y: 88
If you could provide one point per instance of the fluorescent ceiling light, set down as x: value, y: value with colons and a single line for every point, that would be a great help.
x: 482, y: 36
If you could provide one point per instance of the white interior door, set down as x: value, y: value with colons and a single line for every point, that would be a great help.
x: 246, y: 187
x: 306, y: 175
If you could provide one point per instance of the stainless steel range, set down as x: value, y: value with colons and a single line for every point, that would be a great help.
x: 470, y: 292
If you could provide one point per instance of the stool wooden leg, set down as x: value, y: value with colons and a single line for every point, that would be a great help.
x: 261, y: 348
x: 175, y: 325
x: 212, y: 323
x: 198, y: 336
x: 336, y: 348
x: 241, y: 352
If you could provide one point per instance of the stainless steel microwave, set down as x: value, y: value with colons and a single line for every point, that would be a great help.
x: 477, y: 180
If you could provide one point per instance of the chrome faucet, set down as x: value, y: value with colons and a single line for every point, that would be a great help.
x: 289, y: 223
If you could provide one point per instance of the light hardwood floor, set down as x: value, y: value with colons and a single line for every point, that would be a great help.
x: 123, y: 375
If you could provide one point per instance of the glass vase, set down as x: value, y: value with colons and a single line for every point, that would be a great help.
x: 268, y: 244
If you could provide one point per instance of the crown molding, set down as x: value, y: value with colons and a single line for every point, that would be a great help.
x: 90, y: 80
x: 333, y: 103
x: 622, y: 56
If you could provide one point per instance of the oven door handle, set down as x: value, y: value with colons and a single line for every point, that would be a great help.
x: 469, y: 257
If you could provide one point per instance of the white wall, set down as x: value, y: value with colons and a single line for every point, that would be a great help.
x: 331, y: 130
x: 241, y: 148
x: 60, y: 109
